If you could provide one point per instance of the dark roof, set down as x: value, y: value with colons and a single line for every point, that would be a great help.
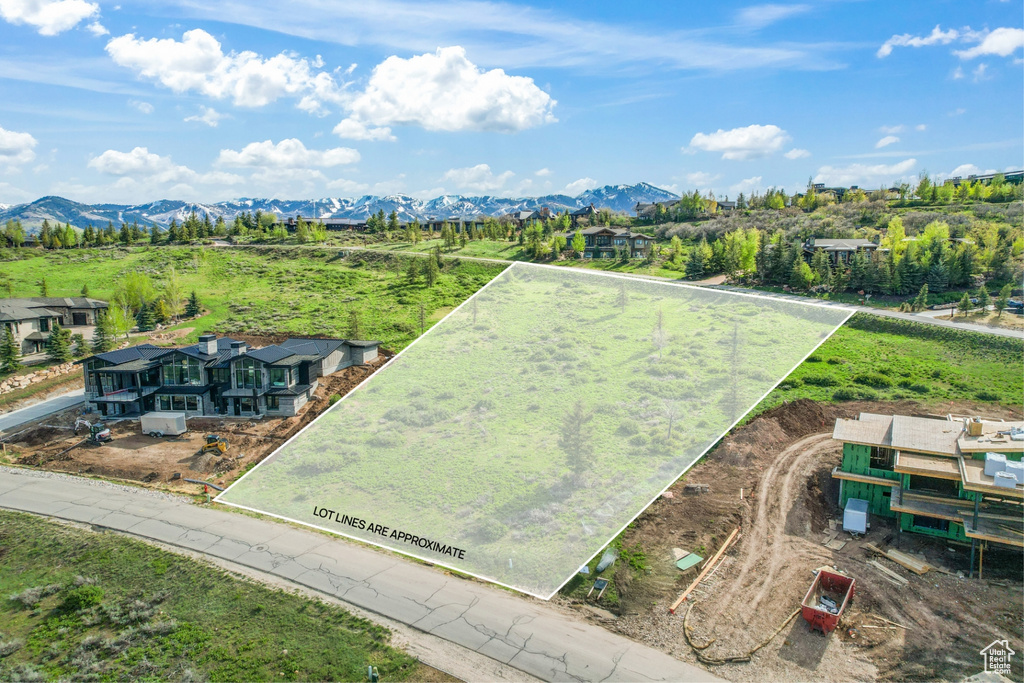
x: 67, y: 301
x: 585, y: 211
x: 270, y: 354
x: 840, y: 244
x: 16, y: 309
x: 185, y: 390
x: 223, y: 351
x: 362, y: 344
x: 288, y: 391
x: 143, y: 351
x: 321, y: 347
x: 36, y: 336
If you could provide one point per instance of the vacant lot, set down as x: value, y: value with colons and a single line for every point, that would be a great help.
x: 81, y: 605
x: 267, y: 290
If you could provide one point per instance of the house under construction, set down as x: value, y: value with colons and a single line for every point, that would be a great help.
x: 958, y: 478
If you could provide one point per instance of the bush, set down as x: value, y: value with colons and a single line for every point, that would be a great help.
x: 987, y: 396
x: 82, y: 598
x: 821, y: 380
x: 333, y: 399
x: 854, y: 394
x: 873, y: 380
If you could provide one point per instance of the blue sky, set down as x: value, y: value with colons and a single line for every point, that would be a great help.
x: 137, y: 101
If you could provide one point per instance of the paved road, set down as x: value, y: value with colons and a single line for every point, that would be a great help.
x: 523, y: 633
x: 54, y: 404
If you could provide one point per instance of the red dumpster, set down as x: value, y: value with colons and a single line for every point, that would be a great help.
x: 826, y: 600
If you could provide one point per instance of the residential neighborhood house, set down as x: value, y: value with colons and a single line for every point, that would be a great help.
x: 31, y: 320
x: 958, y: 478
x: 838, y: 249
x: 217, y: 376
x: 604, y: 242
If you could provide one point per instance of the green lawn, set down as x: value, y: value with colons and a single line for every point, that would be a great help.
x: 887, y: 359
x: 298, y: 290
x: 81, y: 605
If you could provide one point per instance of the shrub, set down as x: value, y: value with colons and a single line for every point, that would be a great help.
x: 873, y: 380
x: 853, y: 394
x: 813, y: 358
x: 821, y: 380
x: 82, y: 598
x: 836, y: 361
x: 333, y: 399
x: 987, y: 396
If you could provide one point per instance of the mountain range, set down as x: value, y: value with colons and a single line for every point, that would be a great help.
x: 620, y: 198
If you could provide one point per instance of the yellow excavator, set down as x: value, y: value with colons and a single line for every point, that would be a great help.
x: 217, y: 445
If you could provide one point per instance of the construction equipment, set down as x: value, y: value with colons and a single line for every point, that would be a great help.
x: 215, y: 443
x: 99, y: 433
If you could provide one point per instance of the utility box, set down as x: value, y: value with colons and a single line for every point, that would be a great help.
x: 1016, y: 469
x: 994, y: 462
x: 855, y: 516
x: 163, y: 424
x: 1005, y: 480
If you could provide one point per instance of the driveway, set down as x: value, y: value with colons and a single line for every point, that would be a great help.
x: 36, y: 411
x: 521, y: 632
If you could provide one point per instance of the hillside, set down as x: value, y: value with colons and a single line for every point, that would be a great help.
x: 620, y: 198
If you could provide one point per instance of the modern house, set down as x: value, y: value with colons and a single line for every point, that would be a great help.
x: 217, y: 376
x: 32, y: 319
x: 604, y: 242
x: 838, y: 249
x: 946, y: 478
x: 587, y: 213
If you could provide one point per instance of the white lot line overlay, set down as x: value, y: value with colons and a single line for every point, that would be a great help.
x: 528, y: 428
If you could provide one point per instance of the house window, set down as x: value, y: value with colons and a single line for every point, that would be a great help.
x: 882, y: 458
x: 178, y: 403
x: 192, y: 403
x: 220, y: 376
x: 165, y: 402
x: 279, y: 377
x: 246, y: 405
x: 273, y: 403
x: 248, y: 374
x: 640, y: 243
x: 44, y: 324
x: 181, y: 371
x: 619, y: 242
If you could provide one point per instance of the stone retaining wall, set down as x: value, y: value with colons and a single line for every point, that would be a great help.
x: 21, y: 381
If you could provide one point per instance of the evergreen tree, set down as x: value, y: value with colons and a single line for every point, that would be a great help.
x: 44, y: 287
x: 193, y: 308
x: 103, y: 336
x: 1003, y: 300
x: 432, y: 272
x: 984, y: 300
x: 621, y: 299
x: 412, y: 273
x: 85, y: 290
x: 801, y: 276
x: 58, y: 345
x: 921, y: 301
x: 355, y: 328
x: 78, y: 345
x: 9, y: 352
x: 938, y: 277
x: 145, y: 319
x: 965, y: 304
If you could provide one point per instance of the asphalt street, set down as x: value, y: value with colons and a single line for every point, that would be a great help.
x: 522, y: 632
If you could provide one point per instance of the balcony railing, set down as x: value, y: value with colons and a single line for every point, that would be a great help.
x: 122, y: 395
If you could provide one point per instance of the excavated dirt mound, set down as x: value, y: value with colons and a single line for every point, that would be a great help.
x: 772, y: 479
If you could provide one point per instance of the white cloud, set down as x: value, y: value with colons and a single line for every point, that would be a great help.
x: 578, y: 186
x: 355, y: 130
x: 959, y: 111
x: 49, y: 17
x: 445, y: 91
x: 747, y: 185
x: 347, y: 186
x: 477, y: 178
x: 757, y: 16
x: 197, y: 62
x: 863, y: 174
x: 742, y: 143
x: 542, y: 172
x: 287, y: 154
x: 97, y: 29
x: 1002, y: 42
x: 15, y: 149
x: 144, y: 107
x: 140, y: 166
x: 892, y: 130
x: 702, y: 179
x: 936, y: 37
x: 957, y: 74
x: 980, y: 73
x: 886, y: 141
x: 797, y: 153
x: 921, y: 127
x: 210, y: 116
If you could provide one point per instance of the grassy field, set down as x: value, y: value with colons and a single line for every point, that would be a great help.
x: 887, y: 359
x: 80, y: 605
x: 471, y: 436
x: 269, y: 290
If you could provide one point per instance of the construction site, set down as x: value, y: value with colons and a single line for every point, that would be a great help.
x: 209, y: 455
x: 767, y: 495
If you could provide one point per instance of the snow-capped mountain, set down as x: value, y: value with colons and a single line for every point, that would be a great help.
x: 620, y: 198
